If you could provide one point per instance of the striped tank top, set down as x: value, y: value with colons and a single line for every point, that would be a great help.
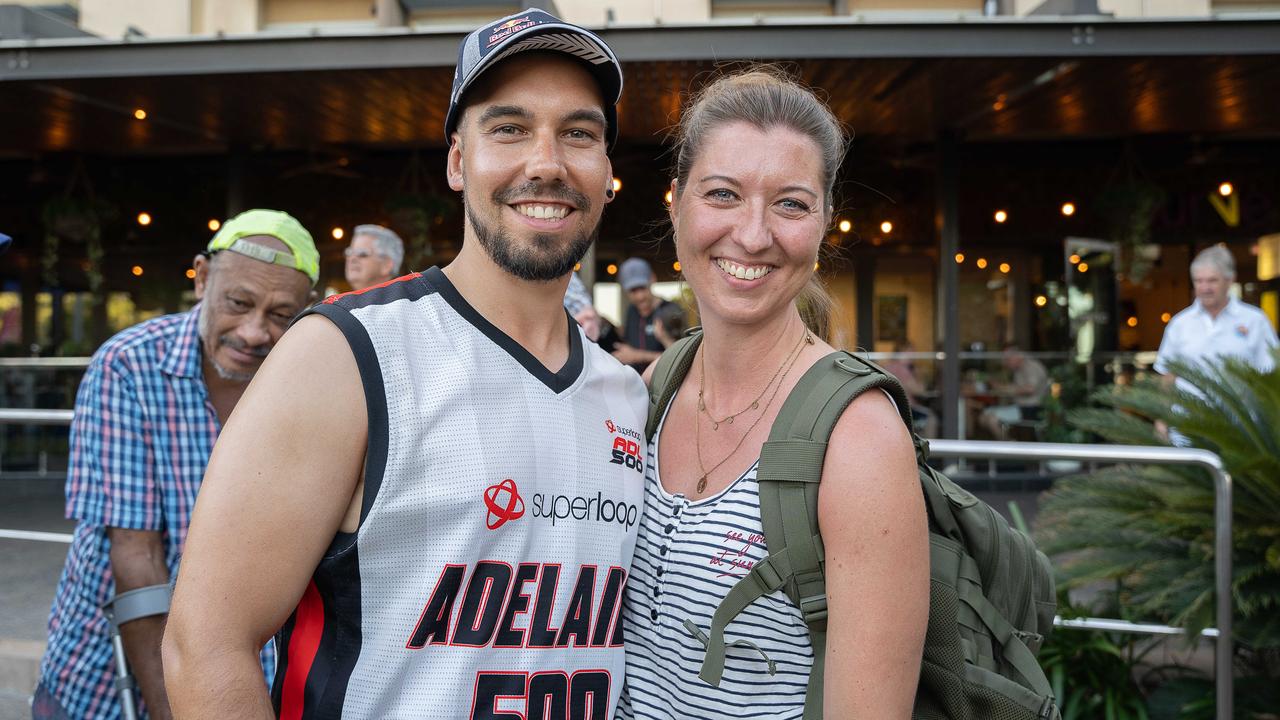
x: 688, y: 554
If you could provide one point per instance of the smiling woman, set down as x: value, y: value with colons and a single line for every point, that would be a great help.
x: 752, y: 198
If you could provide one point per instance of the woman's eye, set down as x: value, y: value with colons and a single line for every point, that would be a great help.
x: 722, y: 194
x: 794, y: 205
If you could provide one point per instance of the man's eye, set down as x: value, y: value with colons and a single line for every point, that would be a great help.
x: 506, y: 130
x: 238, y: 304
x: 580, y: 134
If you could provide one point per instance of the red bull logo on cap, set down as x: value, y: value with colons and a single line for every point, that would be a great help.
x: 508, y: 28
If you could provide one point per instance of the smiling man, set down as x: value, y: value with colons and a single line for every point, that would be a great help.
x: 148, y: 410
x: 433, y: 493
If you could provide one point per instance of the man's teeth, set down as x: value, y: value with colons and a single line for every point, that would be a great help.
x: 743, y: 272
x: 543, y: 212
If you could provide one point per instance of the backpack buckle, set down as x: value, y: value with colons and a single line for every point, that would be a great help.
x: 813, y: 608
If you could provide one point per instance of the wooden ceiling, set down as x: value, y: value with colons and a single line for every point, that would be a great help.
x: 903, y: 100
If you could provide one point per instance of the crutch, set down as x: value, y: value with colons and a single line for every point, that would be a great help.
x: 124, y: 608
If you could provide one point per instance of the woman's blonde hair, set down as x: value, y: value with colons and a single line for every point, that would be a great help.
x: 767, y: 97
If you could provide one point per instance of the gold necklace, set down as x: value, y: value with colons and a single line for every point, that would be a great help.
x: 783, y: 370
x: 728, y: 419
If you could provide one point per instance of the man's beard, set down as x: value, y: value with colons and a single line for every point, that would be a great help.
x: 542, y: 260
x: 209, y: 351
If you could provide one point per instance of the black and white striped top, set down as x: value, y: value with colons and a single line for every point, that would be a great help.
x: 687, y: 556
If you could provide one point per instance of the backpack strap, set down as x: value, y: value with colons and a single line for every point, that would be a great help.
x: 789, y: 473
x: 670, y: 371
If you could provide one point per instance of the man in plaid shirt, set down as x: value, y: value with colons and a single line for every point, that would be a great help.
x: 148, y: 411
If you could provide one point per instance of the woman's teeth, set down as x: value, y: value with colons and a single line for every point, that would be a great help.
x: 744, y: 272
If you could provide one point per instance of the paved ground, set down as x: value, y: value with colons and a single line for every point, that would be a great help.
x: 28, y: 576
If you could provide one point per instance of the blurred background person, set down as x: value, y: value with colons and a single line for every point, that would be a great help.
x: 924, y: 419
x: 640, y: 344
x: 1022, y: 396
x: 373, y: 257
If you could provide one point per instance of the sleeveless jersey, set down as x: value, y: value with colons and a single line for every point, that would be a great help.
x: 688, y: 555
x: 498, y: 522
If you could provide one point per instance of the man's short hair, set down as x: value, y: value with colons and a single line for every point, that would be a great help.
x: 386, y: 242
x: 1217, y: 258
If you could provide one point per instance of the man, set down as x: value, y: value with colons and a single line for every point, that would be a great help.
x: 641, y: 343
x: 1215, y: 326
x: 146, y: 416
x: 432, y: 490
x: 373, y: 257
x: 1024, y: 393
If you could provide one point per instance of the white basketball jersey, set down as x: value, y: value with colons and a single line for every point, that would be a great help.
x: 499, y: 518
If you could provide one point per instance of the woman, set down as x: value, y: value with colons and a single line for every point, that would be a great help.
x: 757, y: 157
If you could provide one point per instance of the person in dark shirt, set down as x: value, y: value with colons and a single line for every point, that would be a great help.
x: 640, y: 344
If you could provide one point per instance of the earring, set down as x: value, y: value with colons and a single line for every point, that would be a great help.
x: 608, y: 193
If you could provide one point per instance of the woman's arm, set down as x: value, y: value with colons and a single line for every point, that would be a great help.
x: 875, y: 531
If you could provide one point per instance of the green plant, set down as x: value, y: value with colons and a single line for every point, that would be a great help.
x: 1151, y: 528
x: 1091, y: 671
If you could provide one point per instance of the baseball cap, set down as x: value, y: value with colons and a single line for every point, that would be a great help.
x: 635, y: 273
x: 535, y: 29
x: 305, y: 259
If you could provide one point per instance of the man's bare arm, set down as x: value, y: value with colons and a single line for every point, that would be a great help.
x: 282, y: 477
x: 137, y: 561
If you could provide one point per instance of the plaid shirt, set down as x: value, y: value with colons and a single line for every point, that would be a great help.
x: 140, y: 440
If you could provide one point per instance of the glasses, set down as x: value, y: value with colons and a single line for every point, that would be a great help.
x: 362, y: 254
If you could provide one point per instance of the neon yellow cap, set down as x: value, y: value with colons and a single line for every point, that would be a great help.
x: 305, y: 259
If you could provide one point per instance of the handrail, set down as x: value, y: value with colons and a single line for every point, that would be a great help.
x: 45, y: 363
x: 1223, y: 680
x: 25, y: 416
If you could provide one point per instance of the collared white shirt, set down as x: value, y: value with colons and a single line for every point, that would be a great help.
x: 1240, y: 330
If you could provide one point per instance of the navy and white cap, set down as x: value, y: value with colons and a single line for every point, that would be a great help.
x: 535, y: 29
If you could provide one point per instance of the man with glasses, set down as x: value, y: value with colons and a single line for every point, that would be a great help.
x: 373, y: 257
x: 149, y: 408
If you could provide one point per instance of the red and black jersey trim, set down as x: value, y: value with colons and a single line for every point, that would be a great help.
x: 318, y: 647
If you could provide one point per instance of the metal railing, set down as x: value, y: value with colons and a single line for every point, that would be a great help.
x: 1223, y: 680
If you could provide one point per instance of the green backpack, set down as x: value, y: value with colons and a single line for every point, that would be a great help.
x: 991, y: 598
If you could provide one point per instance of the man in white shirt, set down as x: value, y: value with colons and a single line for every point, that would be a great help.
x: 1216, y: 325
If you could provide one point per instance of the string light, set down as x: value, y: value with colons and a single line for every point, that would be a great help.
x: 981, y: 263
x: 1075, y: 259
x: 1165, y: 317
x: 959, y: 258
x: 845, y: 226
x: 577, y: 267
x: 611, y: 269
x: 815, y: 267
x: 338, y: 233
x: 144, y: 219
x: 1083, y: 267
x: 1004, y: 267
x: 886, y: 227
x: 666, y: 197
x: 676, y: 266
x: 1041, y: 301
x: 1132, y: 321
x: 140, y: 114
x: 191, y: 274
x: 1225, y: 189
x: 1068, y: 209
x: 136, y: 270
x: 214, y: 225
x: 1001, y: 216
x: 617, y: 184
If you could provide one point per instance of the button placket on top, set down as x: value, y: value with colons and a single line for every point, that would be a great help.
x: 664, y: 551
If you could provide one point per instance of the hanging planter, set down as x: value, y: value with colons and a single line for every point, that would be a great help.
x: 416, y: 210
x: 76, y: 218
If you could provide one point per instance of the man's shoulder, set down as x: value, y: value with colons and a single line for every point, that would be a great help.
x: 1183, y: 315
x: 139, y: 343
x: 1249, y: 312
